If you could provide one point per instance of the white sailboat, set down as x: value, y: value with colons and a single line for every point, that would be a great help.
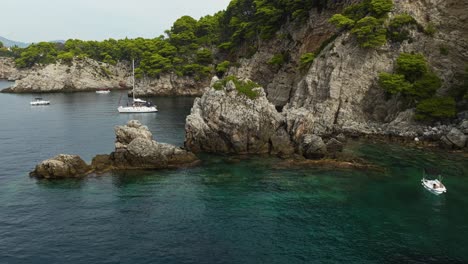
x: 137, y: 105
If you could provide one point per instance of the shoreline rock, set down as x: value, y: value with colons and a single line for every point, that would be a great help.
x: 135, y: 149
x: 83, y: 75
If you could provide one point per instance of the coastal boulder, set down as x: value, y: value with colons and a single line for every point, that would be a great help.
x: 313, y: 147
x: 225, y: 120
x: 134, y: 129
x: 61, y: 166
x: 136, y: 149
x: 457, y: 138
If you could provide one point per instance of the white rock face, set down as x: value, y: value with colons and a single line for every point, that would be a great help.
x: 88, y: 74
x: 226, y: 121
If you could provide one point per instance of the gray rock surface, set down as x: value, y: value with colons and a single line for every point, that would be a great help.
x: 226, y: 121
x: 61, y: 166
x: 457, y: 138
x: 135, y: 149
x: 88, y: 74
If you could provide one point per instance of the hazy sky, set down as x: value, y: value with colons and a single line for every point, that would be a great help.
x: 36, y: 20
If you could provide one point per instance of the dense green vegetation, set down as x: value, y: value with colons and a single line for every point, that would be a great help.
x: 306, y: 60
x: 398, y: 28
x: 188, y: 46
x: 4, y: 52
x: 414, y: 80
x: 243, y: 87
x: 367, y: 22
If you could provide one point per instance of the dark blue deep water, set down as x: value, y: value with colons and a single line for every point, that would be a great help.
x: 229, y: 210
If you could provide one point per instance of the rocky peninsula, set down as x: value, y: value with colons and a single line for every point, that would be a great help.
x: 81, y: 75
x: 135, y: 149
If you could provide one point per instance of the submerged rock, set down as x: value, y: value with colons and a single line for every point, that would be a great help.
x: 134, y: 149
x: 62, y: 166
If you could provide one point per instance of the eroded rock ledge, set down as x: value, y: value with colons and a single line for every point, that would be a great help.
x: 227, y: 121
x: 134, y: 149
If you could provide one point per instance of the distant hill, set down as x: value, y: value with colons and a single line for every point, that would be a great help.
x: 10, y: 43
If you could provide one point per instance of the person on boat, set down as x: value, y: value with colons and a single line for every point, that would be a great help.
x: 435, y: 186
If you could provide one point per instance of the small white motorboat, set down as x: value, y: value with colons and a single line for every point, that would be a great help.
x: 39, y: 101
x: 434, y: 186
x: 102, y: 91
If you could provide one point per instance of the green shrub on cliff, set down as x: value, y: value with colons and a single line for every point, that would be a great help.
x: 306, y: 60
x: 341, y: 21
x: 413, y: 66
x: 222, y: 68
x: 394, y: 83
x: 436, y: 108
x: 380, y: 7
x: 366, y: 21
x: 242, y: 86
x: 413, y: 78
x: 398, y: 27
x: 370, y: 32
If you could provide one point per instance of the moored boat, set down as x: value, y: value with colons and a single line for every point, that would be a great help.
x: 137, y: 105
x: 39, y: 101
x: 434, y: 186
x: 102, y: 91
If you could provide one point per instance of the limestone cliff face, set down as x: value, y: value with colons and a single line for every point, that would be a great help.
x: 88, y: 75
x: 7, y: 69
x: 339, y: 92
x: 170, y: 84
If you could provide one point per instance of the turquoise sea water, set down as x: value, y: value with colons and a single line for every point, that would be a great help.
x: 229, y: 210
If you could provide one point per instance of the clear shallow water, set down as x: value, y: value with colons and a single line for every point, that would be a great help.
x: 229, y: 210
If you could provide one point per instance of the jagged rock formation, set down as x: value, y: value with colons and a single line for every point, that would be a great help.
x: 134, y: 149
x: 339, y: 93
x: 88, y: 75
x: 226, y: 121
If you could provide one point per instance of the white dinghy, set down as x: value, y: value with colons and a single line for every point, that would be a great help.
x: 102, y: 91
x: 39, y: 101
x: 434, y: 186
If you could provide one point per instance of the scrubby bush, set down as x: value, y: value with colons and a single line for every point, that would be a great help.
x: 370, y: 32
x: 277, y: 59
x: 394, y: 83
x: 380, y: 7
x: 306, y: 60
x: 341, y: 21
x: 436, y: 108
x: 398, y: 27
x: 413, y: 66
x: 426, y: 86
x: 222, y: 68
x: 243, y: 87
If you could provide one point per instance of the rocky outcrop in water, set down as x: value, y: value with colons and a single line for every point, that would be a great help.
x: 134, y: 149
x: 62, y: 166
x: 227, y: 121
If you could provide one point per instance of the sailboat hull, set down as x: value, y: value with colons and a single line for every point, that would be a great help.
x: 137, y: 109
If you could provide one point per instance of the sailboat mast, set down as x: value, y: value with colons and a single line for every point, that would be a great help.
x: 133, y: 76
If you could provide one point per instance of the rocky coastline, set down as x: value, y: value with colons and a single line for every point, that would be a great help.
x: 135, y: 149
x: 83, y: 75
x: 226, y: 121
